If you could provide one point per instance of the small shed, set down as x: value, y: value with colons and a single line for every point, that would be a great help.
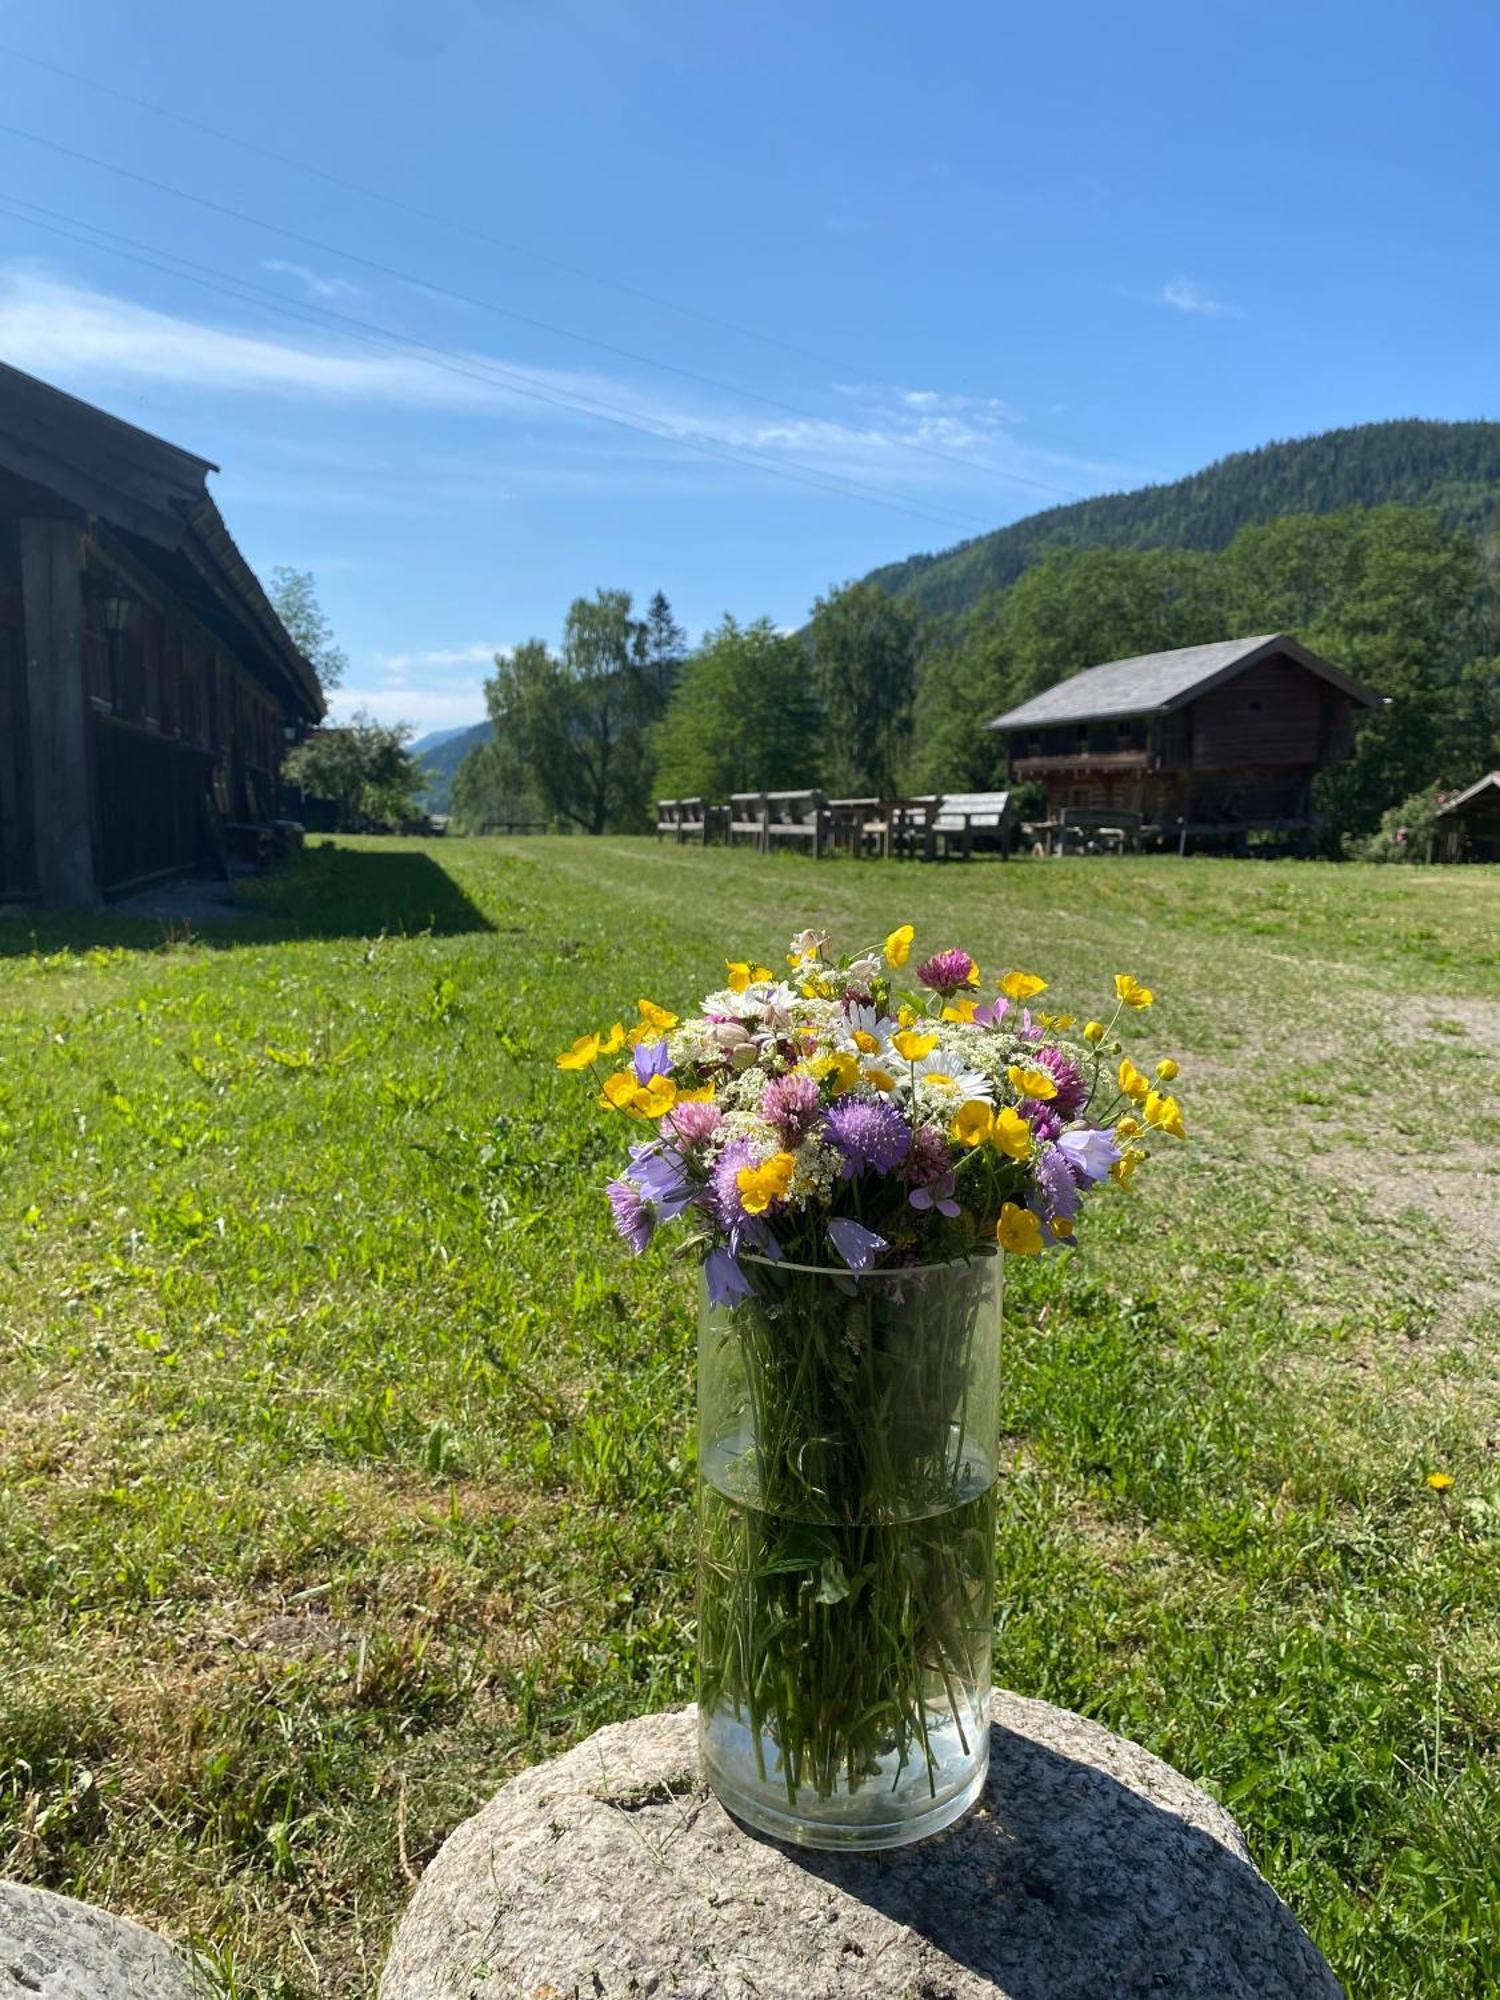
x: 1467, y: 826
x: 148, y: 690
x: 1225, y: 738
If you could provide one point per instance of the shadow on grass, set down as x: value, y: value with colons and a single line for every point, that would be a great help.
x: 324, y: 892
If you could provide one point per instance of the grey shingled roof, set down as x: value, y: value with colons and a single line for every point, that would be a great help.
x: 1155, y: 682
x: 1480, y: 785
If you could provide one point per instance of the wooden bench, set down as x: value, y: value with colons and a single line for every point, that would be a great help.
x: 963, y: 814
x: 914, y: 825
x: 1097, y: 828
x: 796, y: 816
x: 688, y: 819
x: 861, y: 824
x: 747, y: 817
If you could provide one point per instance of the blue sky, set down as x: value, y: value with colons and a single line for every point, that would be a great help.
x: 752, y: 299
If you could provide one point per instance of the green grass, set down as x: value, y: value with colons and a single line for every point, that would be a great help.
x: 344, y: 1454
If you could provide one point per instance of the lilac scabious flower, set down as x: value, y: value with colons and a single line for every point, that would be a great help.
x: 1072, y: 1091
x: 946, y: 971
x: 635, y: 1218
x: 790, y: 1104
x: 1090, y: 1154
x: 693, y: 1123
x: 930, y: 1157
x: 726, y: 1191
x: 1059, y: 1191
x: 858, y: 1246
x: 868, y: 1135
x: 938, y: 1194
x: 991, y: 1014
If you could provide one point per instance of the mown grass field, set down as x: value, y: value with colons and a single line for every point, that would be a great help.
x: 345, y: 1455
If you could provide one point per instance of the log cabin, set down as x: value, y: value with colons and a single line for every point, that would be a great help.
x: 1217, y: 740
x: 148, y: 690
x: 1467, y: 826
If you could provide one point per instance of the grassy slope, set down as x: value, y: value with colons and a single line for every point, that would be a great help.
x: 344, y: 1456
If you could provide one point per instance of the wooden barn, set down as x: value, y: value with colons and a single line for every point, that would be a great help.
x: 1467, y: 826
x: 1216, y: 740
x: 148, y: 691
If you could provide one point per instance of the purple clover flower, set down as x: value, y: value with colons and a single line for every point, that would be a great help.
x: 1043, y: 1120
x: 930, y: 1156
x: 1072, y: 1091
x: 946, y: 971
x: 693, y: 1123
x: 868, y: 1135
x: 790, y: 1104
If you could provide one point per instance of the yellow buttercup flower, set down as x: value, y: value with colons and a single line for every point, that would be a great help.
x: 745, y: 975
x: 973, y: 1122
x: 898, y: 946
x: 1018, y: 1231
x: 1012, y: 1134
x: 1166, y: 1069
x: 1440, y: 1481
x: 1128, y: 1127
x: 614, y: 1040
x: 908, y: 1017
x: 705, y: 1095
x: 961, y: 1009
x: 770, y: 1181
x: 1056, y: 1024
x: 1022, y: 986
x: 655, y: 1017
x: 1131, y: 991
x: 840, y: 1065
x: 583, y: 1052
x: 1029, y: 1082
x: 1062, y: 1225
x: 653, y: 1099
x: 1093, y: 1031
x: 1124, y: 1168
x: 1132, y: 1082
x: 912, y: 1047
x: 1165, y: 1114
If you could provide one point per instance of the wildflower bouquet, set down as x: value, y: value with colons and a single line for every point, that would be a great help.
x: 846, y: 1148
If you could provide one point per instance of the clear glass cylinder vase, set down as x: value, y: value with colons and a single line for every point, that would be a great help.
x: 847, y: 1461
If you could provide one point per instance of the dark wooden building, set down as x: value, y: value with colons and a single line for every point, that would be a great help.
x: 148, y: 690
x: 1467, y: 826
x: 1211, y: 739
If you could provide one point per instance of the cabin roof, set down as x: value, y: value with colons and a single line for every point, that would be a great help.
x: 1490, y: 780
x: 156, y: 495
x: 1156, y: 683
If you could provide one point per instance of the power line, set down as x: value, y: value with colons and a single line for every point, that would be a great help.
x: 478, y: 369
x: 415, y: 210
x: 470, y: 299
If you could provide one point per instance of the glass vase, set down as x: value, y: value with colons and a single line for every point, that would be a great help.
x: 847, y: 1462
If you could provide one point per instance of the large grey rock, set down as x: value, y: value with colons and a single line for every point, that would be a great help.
x: 1090, y: 1870
x: 62, y: 1950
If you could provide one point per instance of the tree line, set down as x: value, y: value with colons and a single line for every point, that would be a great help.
x: 876, y: 697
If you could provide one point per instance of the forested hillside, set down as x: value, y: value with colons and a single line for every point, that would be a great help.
x: 440, y: 762
x: 1452, y: 467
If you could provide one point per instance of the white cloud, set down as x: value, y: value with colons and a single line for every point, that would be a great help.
x: 480, y: 654
x: 424, y: 708
x: 1185, y: 295
x: 316, y: 284
x: 900, y: 440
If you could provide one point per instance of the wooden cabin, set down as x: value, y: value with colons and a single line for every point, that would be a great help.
x: 1218, y: 740
x: 1467, y: 826
x: 148, y: 690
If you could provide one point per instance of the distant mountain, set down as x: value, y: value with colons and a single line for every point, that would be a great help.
x: 435, y: 738
x: 441, y: 754
x: 1454, y: 467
